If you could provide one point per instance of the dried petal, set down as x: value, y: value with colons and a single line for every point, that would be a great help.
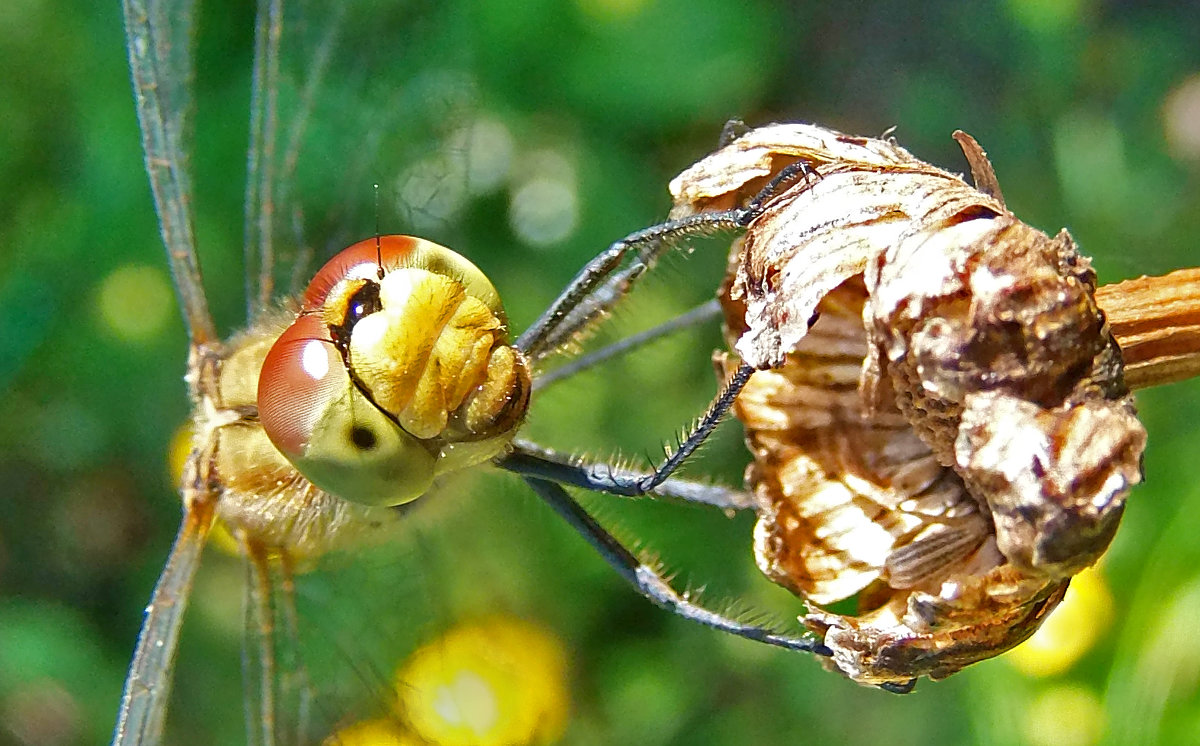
x: 939, y: 424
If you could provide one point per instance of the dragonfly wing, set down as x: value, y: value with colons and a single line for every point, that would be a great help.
x: 148, y: 683
x: 159, y: 40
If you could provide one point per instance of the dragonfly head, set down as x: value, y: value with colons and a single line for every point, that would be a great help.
x: 396, y: 370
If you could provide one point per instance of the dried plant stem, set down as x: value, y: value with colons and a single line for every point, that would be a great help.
x: 1156, y: 321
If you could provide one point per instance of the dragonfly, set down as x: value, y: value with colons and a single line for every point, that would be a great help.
x: 267, y: 477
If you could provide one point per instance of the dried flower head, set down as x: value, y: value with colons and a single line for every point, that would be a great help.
x: 939, y: 424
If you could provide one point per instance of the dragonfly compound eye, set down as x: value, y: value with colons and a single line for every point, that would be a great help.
x: 333, y: 434
x: 397, y: 370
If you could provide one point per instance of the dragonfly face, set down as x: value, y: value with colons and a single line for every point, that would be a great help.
x: 400, y: 354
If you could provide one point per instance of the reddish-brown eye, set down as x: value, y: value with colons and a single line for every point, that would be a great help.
x: 301, y: 374
x: 336, y: 437
x: 369, y: 258
x: 364, y: 260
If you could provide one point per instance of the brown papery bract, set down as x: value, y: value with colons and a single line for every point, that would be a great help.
x: 940, y: 425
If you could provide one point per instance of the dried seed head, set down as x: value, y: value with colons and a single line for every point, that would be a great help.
x: 939, y: 426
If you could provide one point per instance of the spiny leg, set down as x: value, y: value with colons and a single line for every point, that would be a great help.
x: 596, y: 289
x: 787, y: 174
x: 587, y: 314
x: 704, y: 312
x: 616, y: 483
x: 708, y: 422
x: 650, y: 583
x: 531, y: 460
x: 544, y: 337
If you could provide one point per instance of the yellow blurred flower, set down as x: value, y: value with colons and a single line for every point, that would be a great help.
x: 496, y: 681
x: 380, y: 732
x: 1070, y: 630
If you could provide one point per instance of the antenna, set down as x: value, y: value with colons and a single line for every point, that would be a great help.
x: 378, y: 248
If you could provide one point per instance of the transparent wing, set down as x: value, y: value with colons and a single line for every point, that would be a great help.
x: 148, y: 683
x: 260, y: 158
x: 350, y: 131
x: 159, y: 41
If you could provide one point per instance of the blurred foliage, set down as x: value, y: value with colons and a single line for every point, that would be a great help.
x: 583, y: 110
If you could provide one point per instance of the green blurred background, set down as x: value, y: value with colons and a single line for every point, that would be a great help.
x: 579, y: 113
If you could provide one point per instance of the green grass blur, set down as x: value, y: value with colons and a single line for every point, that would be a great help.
x: 590, y: 107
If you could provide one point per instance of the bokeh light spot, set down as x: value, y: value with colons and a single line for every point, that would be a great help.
x: 135, y: 301
x: 545, y: 205
x: 1181, y: 119
x: 544, y: 211
x: 488, y: 147
x: 467, y: 702
x: 1045, y: 15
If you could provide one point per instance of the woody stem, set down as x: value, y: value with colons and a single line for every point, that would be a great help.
x: 1156, y: 322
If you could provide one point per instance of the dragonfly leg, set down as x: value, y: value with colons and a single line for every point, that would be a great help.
x: 531, y: 460
x: 598, y: 286
x: 650, y: 583
x: 706, y: 311
x: 618, y: 483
